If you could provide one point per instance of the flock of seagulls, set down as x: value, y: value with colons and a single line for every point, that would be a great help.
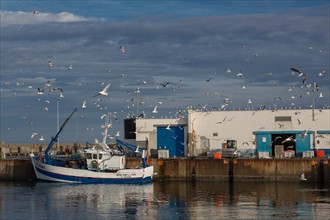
x: 138, y: 100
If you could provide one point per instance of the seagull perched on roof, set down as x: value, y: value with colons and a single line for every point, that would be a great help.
x: 104, y: 91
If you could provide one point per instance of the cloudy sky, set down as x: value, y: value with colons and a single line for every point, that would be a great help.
x: 215, y: 55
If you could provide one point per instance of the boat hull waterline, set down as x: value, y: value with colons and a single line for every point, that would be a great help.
x: 52, y: 173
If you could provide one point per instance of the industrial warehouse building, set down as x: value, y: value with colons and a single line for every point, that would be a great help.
x: 263, y: 133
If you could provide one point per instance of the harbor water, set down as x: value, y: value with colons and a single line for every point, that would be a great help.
x: 165, y: 200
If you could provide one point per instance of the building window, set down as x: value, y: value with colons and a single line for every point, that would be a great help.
x: 215, y: 134
x: 282, y: 118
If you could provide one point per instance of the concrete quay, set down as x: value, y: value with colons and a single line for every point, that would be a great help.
x: 199, y: 169
x: 12, y: 150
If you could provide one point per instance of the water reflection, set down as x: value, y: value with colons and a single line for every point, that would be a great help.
x: 248, y: 200
x: 165, y: 200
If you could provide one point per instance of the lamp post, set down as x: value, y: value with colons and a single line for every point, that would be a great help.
x: 137, y: 102
x: 315, y: 89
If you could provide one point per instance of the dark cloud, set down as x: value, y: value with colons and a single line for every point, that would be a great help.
x: 184, y: 51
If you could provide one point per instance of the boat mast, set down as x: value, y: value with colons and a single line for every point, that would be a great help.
x: 58, y: 121
x: 108, y: 123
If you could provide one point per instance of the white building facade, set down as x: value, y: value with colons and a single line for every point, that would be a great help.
x: 249, y: 131
x: 259, y: 130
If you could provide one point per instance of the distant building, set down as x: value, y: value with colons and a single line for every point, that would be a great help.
x: 168, y: 136
x: 273, y: 133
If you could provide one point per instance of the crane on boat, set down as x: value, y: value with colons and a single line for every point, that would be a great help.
x: 55, y: 138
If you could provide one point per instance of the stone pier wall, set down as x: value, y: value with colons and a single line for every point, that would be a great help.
x: 315, y: 170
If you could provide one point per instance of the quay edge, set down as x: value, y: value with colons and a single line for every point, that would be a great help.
x: 316, y: 170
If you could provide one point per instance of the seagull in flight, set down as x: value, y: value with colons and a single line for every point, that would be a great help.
x: 84, y: 104
x: 122, y: 49
x: 155, y: 109
x: 278, y: 137
x: 33, y: 134
x: 165, y: 84
x: 40, y: 91
x: 50, y: 64
x: 239, y: 74
x: 104, y: 92
x: 297, y: 71
x: 304, y: 133
x: 209, y: 79
x: 288, y: 139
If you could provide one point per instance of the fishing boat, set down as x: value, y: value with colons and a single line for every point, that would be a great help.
x: 101, y: 164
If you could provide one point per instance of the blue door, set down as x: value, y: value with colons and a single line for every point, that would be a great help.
x: 171, y: 139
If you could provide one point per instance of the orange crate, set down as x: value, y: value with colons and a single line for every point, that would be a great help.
x: 217, y: 155
x: 320, y: 153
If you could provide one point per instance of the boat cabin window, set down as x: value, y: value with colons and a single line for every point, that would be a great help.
x: 89, y: 156
x: 231, y: 144
x: 95, y: 156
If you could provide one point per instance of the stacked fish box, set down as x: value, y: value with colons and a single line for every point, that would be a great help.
x: 163, y: 154
x: 289, y: 154
x: 308, y: 154
x: 263, y: 155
